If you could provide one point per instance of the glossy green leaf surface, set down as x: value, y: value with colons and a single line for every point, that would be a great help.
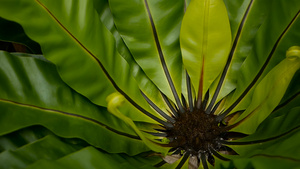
x: 268, y: 41
x: 56, y: 106
x: 279, y: 124
x: 205, y: 39
x: 245, y: 19
x: 145, y: 84
x: 274, y: 140
x: 268, y: 94
x: 142, y: 26
x: 68, y: 47
x: 86, y: 51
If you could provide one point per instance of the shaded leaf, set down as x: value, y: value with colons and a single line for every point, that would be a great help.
x: 13, y: 32
x: 49, y: 147
x: 92, y: 158
x: 14, y: 140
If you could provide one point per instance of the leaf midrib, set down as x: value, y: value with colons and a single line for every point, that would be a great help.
x: 101, y: 66
x: 264, y: 66
x: 72, y: 115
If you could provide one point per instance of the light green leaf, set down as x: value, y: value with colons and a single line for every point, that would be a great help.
x: 114, y: 101
x: 269, y: 92
x: 205, y: 40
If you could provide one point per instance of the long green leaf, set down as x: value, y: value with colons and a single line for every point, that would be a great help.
x: 33, y: 93
x: 282, y: 121
x: 275, y: 140
x: 271, y: 42
x: 145, y: 84
x: 93, y: 85
x: 277, y: 125
x: 142, y: 26
x: 245, y: 19
x: 282, y: 150
x: 92, y: 47
x: 268, y: 93
x: 205, y: 41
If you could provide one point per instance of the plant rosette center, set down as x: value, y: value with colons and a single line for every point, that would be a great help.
x: 196, y: 132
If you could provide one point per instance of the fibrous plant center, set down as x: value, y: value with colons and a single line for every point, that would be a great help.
x: 196, y: 132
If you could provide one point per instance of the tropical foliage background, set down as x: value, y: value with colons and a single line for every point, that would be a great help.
x: 80, y: 81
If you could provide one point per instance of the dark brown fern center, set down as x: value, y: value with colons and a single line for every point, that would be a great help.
x: 196, y: 132
x: 195, y: 127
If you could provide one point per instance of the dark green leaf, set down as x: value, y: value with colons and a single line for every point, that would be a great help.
x: 13, y: 32
x: 142, y: 26
x: 92, y: 158
x: 40, y: 97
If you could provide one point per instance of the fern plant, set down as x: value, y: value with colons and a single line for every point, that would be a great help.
x: 146, y: 84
